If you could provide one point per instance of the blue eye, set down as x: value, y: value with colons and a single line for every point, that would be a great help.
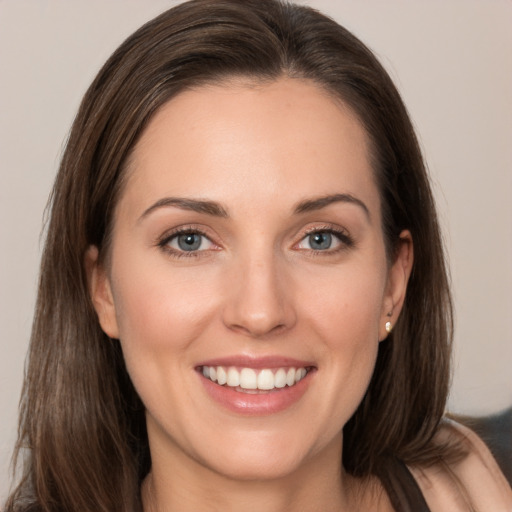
x: 326, y: 240
x: 190, y: 241
x: 320, y: 241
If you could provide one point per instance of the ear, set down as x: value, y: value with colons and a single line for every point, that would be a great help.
x: 396, y: 287
x: 101, y: 292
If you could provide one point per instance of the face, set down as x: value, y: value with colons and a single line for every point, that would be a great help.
x: 248, y: 281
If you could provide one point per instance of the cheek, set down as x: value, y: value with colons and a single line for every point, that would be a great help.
x: 344, y: 312
x: 160, y: 310
x: 346, y: 303
x: 160, y: 315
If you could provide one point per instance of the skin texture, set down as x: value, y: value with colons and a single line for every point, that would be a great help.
x: 254, y: 288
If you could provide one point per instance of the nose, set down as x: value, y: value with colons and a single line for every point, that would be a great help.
x: 259, y: 300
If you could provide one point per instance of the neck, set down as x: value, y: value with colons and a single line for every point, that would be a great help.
x: 318, y: 487
x: 321, y: 484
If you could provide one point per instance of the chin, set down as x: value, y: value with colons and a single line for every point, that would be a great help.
x: 266, y: 456
x: 258, y: 469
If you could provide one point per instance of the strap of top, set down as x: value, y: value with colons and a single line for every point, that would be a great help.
x: 402, y: 488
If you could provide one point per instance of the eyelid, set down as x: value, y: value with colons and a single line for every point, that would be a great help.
x: 163, y: 241
x: 342, y: 234
x: 345, y: 240
x: 174, y: 241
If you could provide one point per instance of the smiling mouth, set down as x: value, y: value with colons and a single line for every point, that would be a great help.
x: 249, y: 380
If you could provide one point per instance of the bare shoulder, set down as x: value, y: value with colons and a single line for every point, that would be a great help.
x: 471, y: 482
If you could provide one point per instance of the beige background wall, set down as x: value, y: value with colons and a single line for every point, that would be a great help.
x: 450, y: 58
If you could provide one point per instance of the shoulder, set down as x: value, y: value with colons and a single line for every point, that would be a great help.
x: 470, y: 481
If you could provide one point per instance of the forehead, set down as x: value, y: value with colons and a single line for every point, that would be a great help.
x: 249, y: 141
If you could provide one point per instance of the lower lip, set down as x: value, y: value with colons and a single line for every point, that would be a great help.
x: 260, y: 404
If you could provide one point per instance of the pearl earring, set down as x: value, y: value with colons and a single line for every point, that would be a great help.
x: 389, y: 327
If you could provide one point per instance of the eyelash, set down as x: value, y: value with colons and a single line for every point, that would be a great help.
x: 346, y: 241
x: 163, y: 243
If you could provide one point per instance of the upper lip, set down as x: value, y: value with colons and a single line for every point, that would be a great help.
x: 260, y: 362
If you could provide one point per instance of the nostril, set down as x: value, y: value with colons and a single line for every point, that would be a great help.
x: 258, y: 302
x: 258, y: 330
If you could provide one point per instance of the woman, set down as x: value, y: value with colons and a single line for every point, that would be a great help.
x: 243, y: 299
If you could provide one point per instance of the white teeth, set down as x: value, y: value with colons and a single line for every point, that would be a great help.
x: 300, y: 374
x: 233, y: 378
x: 266, y: 380
x: 250, y: 379
x: 280, y: 378
x: 222, y: 378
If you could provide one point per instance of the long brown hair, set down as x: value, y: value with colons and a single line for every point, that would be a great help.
x: 82, y: 430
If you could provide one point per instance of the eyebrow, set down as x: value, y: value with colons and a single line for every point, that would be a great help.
x: 216, y: 210
x: 194, y: 205
x: 318, y: 203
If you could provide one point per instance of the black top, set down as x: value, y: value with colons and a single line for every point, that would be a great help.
x: 402, y: 488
